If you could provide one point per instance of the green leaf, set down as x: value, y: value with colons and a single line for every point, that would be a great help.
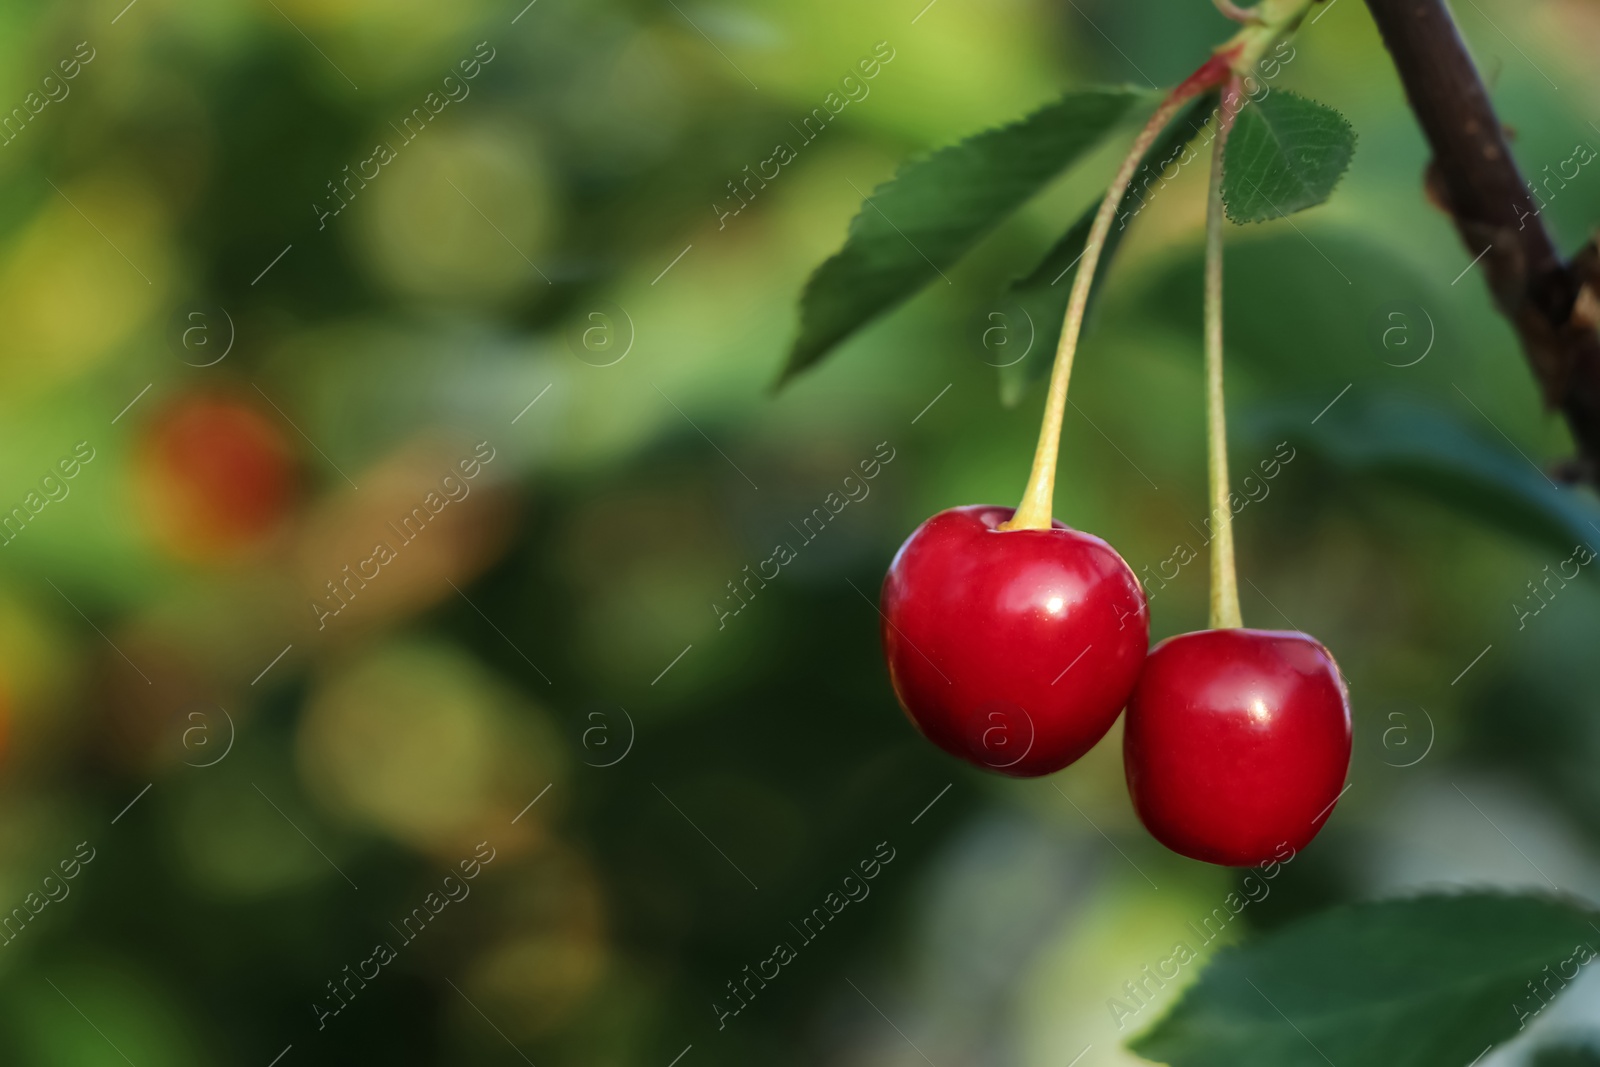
x: 1567, y: 1056
x: 1285, y: 154
x: 1431, y: 453
x: 1041, y: 295
x: 1429, y: 982
x: 923, y: 220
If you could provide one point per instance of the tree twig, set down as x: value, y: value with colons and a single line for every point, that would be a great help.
x: 1475, y: 179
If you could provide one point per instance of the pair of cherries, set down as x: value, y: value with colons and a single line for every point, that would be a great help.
x: 1017, y: 649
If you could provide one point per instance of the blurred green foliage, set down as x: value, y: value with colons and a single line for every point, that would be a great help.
x: 552, y: 238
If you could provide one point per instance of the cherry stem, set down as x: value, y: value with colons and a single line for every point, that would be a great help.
x: 1232, y: 11
x: 1035, y: 511
x: 1224, y: 576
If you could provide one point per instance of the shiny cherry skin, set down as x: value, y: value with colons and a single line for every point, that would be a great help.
x: 1014, y: 650
x: 1237, y: 743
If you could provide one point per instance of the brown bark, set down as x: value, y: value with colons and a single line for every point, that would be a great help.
x: 1475, y: 179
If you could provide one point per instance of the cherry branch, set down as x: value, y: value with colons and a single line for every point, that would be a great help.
x: 1475, y: 179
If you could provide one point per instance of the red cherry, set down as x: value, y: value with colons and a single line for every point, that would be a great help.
x: 215, y: 476
x: 1012, y: 649
x: 1237, y: 743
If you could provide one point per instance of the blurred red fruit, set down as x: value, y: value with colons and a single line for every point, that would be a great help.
x: 215, y: 476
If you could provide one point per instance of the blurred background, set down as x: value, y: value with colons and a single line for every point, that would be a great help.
x: 388, y: 438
